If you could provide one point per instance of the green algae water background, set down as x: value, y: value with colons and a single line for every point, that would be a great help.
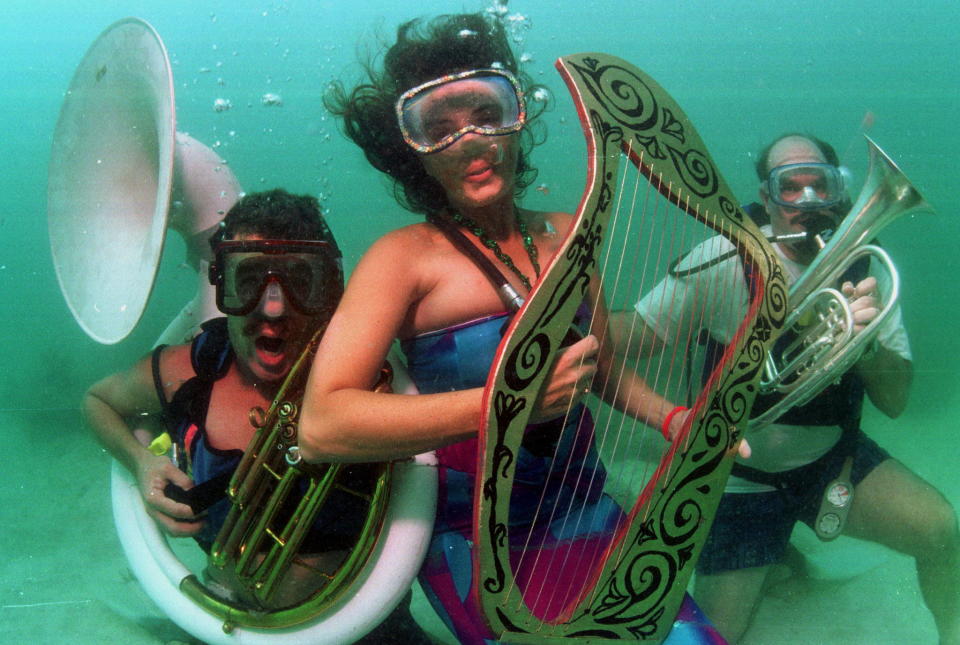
x: 743, y: 71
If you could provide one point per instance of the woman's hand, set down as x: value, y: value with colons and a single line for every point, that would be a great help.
x: 680, y: 418
x: 570, y: 379
x: 153, y: 474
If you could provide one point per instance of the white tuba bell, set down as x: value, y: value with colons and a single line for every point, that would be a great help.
x: 826, y: 345
x: 119, y: 176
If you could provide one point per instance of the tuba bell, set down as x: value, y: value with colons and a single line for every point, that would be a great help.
x: 120, y: 176
x: 825, y: 345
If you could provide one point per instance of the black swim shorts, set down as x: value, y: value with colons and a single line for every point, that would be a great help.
x: 753, y: 529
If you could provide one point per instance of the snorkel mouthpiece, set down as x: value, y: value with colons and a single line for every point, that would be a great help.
x: 819, y: 224
x: 820, y: 228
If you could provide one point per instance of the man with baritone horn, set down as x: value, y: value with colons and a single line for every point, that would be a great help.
x: 811, y: 462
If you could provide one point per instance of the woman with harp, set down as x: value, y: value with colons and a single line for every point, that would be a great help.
x: 446, y: 120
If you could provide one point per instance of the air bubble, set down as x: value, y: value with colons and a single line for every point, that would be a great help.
x: 271, y: 99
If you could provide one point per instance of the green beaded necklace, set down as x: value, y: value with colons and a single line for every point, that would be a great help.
x: 491, y: 244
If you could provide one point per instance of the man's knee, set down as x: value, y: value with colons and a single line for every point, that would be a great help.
x: 934, y: 533
x: 941, y: 534
x: 729, y: 599
x: 908, y: 514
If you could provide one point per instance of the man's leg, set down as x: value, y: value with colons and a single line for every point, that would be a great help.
x: 749, y: 536
x: 896, y: 508
x: 730, y: 599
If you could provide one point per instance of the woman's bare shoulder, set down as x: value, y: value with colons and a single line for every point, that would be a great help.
x: 409, y: 250
x: 404, y: 239
x: 397, y: 269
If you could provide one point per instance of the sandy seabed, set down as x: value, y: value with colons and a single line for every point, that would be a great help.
x: 65, y: 579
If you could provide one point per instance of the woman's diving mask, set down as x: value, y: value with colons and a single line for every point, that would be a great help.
x: 308, y: 273
x: 434, y: 115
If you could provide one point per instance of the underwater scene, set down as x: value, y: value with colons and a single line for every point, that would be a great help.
x: 249, y: 78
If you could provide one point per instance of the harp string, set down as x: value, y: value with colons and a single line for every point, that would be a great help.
x: 626, y: 431
x: 621, y: 217
x: 619, y: 440
x: 670, y: 357
x: 538, y: 523
x: 630, y: 584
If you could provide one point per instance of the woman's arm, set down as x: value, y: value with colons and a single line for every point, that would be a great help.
x: 342, y: 419
x: 631, y: 337
x: 617, y: 383
x: 620, y: 385
x: 395, y: 281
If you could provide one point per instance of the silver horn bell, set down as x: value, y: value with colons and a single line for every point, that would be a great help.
x: 826, y: 345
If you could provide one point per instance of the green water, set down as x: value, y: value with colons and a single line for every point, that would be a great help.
x: 744, y: 72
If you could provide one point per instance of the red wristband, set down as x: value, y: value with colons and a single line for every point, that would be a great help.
x: 665, y: 429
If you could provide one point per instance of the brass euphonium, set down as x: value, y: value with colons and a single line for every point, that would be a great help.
x: 260, y: 554
x: 826, y: 345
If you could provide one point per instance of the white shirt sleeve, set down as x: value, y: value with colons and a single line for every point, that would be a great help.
x: 700, y: 294
x: 892, y: 334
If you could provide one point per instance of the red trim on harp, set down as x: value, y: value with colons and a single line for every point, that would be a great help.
x: 672, y: 157
x: 508, y: 333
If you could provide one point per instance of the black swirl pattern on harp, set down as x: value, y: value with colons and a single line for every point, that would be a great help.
x: 636, y: 589
x: 699, y: 175
x: 528, y: 359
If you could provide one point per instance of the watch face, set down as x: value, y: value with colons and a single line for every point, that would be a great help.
x: 839, y: 494
x: 828, y: 524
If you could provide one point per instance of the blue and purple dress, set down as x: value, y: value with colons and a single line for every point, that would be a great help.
x: 458, y: 358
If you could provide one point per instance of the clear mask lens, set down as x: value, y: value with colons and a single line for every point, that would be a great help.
x: 434, y: 115
x: 271, y: 302
x: 806, y: 186
x: 249, y: 277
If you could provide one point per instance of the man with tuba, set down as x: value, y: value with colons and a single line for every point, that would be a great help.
x: 813, y: 463
x: 278, y: 278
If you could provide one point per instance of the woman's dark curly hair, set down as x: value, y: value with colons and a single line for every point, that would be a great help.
x: 425, y: 50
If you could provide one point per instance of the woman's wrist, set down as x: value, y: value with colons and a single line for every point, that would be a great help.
x: 665, y: 428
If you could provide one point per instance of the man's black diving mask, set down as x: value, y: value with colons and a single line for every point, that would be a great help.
x: 307, y: 271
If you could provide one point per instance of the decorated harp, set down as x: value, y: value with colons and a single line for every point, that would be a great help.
x: 564, y: 566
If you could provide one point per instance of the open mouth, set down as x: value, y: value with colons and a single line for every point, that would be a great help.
x: 270, y: 345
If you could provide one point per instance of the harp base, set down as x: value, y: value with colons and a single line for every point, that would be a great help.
x: 691, y: 627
